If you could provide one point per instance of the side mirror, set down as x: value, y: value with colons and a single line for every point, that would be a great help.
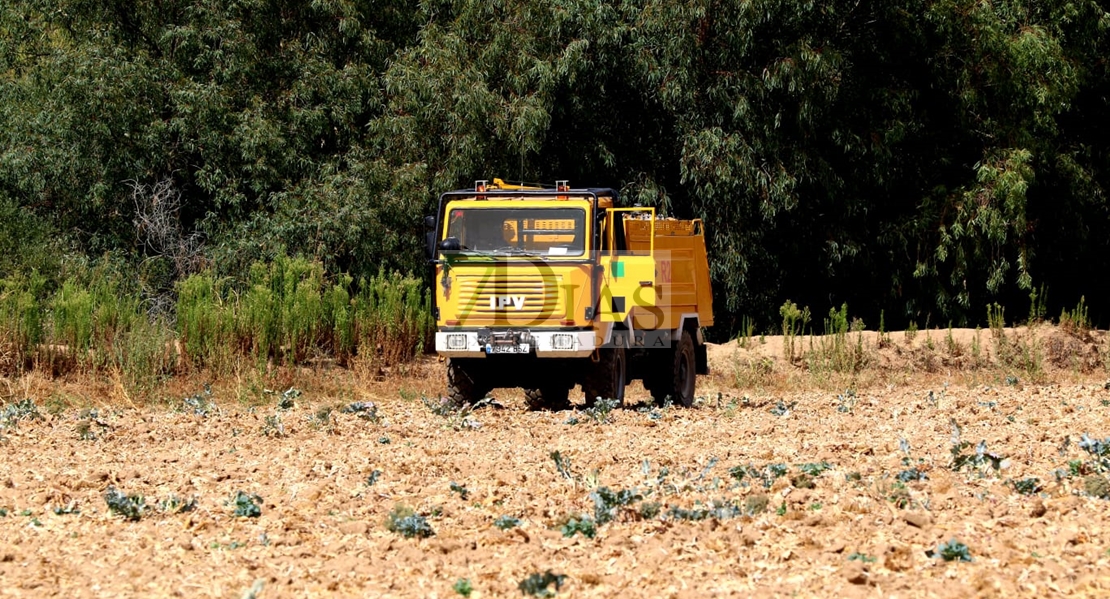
x: 451, y: 244
x: 430, y: 237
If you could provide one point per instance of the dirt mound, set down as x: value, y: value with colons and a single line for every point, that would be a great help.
x: 1036, y: 354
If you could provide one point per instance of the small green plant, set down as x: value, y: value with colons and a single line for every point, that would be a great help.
x: 756, y: 504
x: 861, y: 557
x: 505, y: 522
x: 601, y: 411
x: 463, y: 587
x: 794, y: 321
x: 542, y: 585
x: 911, y: 331
x: 321, y: 419
x: 953, y: 551
x: 884, y: 336
x: 1038, y: 305
x: 461, y: 490
x: 24, y: 409
x: 899, y: 495
x: 781, y: 510
x: 70, y: 508
x: 781, y: 408
x: 199, y: 404
x: 562, y: 464
x: 766, y: 475
x: 747, y: 330
x: 814, y: 469
x: 457, y: 417
x: 246, y: 505
x: 1027, y: 486
x: 131, y: 507
x: 363, y: 409
x: 649, y: 509
x: 974, y: 461
x: 85, y: 430
x: 608, y: 503
x: 996, y: 320
x: 950, y: 343
x: 1098, y: 450
x: 846, y: 402
x: 583, y: 525
x: 409, y: 524
x: 273, y: 427
x: 178, y: 505
x: 912, y: 472
x: 288, y: 398
x: 373, y: 477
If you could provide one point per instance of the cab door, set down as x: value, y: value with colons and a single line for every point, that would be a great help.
x: 628, y: 278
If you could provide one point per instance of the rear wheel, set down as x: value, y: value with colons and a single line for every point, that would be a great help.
x: 551, y: 398
x: 464, y: 383
x: 685, y: 371
x: 607, y: 377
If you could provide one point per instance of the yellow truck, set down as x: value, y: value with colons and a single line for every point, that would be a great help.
x: 548, y: 288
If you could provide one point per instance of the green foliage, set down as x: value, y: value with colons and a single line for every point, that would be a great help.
x: 950, y: 151
x: 766, y: 475
x: 407, y: 523
x: 608, y: 504
x: 583, y: 525
x: 835, y: 351
x: 14, y: 412
x: 953, y: 550
x: 794, y: 322
x: 247, y: 505
x: 505, y: 522
x: 273, y: 427
x: 199, y: 404
x: 1027, y: 486
x: 1078, y: 320
x: 542, y: 585
x: 463, y: 587
x: 460, y: 489
x: 602, y: 409
x: 131, y: 507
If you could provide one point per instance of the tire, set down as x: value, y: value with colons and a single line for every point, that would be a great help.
x: 550, y: 398
x: 464, y: 385
x: 607, y: 377
x: 684, y: 372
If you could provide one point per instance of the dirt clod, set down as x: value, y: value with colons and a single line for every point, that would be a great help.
x: 1097, y: 485
x: 918, y: 519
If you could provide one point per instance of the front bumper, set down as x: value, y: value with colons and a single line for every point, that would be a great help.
x: 545, y: 344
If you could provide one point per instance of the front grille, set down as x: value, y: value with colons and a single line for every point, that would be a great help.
x: 508, y: 298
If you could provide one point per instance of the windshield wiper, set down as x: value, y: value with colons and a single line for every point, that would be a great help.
x: 515, y: 251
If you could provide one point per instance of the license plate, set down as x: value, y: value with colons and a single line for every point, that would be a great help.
x: 523, y: 348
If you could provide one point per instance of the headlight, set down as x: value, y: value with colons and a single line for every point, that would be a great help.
x: 562, y: 341
x: 456, y: 341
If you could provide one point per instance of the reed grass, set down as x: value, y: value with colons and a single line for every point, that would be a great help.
x: 286, y: 311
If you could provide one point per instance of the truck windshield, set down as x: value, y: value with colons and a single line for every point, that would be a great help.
x: 519, y: 231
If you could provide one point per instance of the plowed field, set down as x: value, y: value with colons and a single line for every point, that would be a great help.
x: 769, y: 489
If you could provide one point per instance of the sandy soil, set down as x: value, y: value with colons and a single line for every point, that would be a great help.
x: 869, y: 525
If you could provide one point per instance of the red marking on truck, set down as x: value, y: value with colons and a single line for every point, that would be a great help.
x: 664, y: 271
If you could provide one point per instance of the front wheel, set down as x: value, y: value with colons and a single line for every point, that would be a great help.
x: 550, y: 398
x: 464, y: 383
x: 607, y: 377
